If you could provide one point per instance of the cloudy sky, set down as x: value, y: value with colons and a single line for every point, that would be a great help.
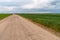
x: 17, y: 6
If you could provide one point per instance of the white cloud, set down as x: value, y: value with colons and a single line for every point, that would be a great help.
x: 29, y: 5
x: 6, y: 9
x: 6, y: 0
x: 9, y: 8
x: 37, y: 4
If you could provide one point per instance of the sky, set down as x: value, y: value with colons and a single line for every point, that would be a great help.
x: 23, y: 6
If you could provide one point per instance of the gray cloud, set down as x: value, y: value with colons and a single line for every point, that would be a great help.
x: 16, y: 6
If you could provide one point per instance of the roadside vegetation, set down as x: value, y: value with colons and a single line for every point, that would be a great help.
x: 48, y: 20
x: 4, y: 15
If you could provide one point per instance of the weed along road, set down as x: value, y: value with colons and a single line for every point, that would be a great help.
x: 16, y: 27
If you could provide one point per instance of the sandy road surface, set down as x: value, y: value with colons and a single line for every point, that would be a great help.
x: 15, y: 27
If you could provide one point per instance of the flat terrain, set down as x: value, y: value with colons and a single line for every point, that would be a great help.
x: 48, y: 20
x: 16, y: 27
x: 2, y: 16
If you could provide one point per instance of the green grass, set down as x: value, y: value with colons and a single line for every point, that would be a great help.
x: 49, y: 20
x: 3, y: 16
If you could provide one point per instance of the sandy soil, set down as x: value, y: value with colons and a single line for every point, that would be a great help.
x: 16, y: 27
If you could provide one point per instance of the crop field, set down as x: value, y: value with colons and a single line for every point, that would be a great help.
x: 48, y: 20
x: 4, y: 15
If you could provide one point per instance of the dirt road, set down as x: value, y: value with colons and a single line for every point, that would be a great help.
x: 15, y: 27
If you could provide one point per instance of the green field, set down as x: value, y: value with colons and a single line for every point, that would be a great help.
x: 4, y: 15
x: 49, y: 20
